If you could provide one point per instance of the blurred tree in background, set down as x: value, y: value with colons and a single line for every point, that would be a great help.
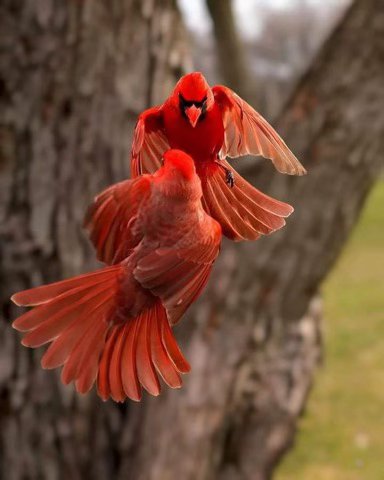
x: 232, y: 60
x: 73, y: 77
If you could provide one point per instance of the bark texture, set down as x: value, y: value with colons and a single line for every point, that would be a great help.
x: 74, y: 75
x: 254, y: 340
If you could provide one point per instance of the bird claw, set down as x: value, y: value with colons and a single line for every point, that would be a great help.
x: 229, y: 178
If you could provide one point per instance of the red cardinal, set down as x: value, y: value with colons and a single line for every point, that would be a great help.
x: 211, y: 124
x: 114, y: 324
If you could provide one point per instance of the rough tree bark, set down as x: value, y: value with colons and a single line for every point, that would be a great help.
x: 73, y: 77
x: 255, y: 340
x: 77, y: 75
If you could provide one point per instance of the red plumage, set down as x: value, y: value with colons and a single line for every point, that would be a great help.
x: 154, y: 232
x: 113, y: 325
x: 210, y: 124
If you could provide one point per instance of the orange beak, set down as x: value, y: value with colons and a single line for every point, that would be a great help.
x: 193, y: 113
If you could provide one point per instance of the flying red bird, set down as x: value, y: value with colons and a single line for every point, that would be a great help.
x: 210, y: 124
x: 114, y: 324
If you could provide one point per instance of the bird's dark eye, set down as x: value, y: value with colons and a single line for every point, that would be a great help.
x: 188, y: 103
x: 184, y: 103
x: 204, y: 105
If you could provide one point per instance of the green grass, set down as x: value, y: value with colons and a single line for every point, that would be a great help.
x: 341, y: 436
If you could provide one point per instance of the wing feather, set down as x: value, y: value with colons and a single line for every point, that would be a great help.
x: 149, y: 142
x: 247, y: 132
x: 178, y: 274
x: 113, y: 219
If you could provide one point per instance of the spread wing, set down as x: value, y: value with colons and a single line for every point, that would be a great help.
x: 113, y: 219
x: 178, y: 274
x: 247, y: 132
x: 149, y: 142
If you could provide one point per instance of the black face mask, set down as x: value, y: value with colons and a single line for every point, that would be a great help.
x: 183, y: 103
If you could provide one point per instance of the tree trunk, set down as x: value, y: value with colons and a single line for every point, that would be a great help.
x: 74, y: 75
x: 254, y: 341
x: 230, y: 52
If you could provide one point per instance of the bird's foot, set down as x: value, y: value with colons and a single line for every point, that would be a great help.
x: 229, y: 177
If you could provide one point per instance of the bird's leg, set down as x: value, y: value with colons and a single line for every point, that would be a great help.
x: 229, y: 177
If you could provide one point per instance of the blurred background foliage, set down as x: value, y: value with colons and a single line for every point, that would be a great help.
x: 279, y: 39
x: 341, y: 433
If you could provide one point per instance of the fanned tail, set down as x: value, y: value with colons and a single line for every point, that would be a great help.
x: 243, y: 212
x: 134, y: 355
x: 79, y: 317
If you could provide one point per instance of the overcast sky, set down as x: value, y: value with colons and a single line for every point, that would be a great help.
x: 196, y: 17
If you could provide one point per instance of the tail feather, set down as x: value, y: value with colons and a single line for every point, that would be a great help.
x: 161, y: 360
x: 36, y: 316
x: 172, y: 349
x: 219, y: 202
x: 104, y: 387
x: 39, y: 295
x: 252, y: 206
x: 80, y: 317
x: 115, y: 380
x: 88, y: 345
x: 244, y: 212
x: 136, y: 352
x: 49, y: 329
x: 60, y: 349
x: 267, y: 203
x: 129, y: 375
x: 89, y: 365
x: 145, y: 368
